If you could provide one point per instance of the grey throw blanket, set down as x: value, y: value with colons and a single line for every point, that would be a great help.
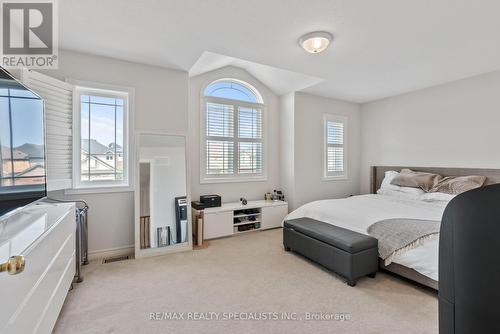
x: 399, y: 235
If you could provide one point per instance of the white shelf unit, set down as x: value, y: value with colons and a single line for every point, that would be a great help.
x: 229, y: 219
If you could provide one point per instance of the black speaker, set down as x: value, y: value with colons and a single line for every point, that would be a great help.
x: 469, y: 263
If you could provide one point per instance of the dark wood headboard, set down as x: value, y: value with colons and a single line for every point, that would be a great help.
x: 378, y: 173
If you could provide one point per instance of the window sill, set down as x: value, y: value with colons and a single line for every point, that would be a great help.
x: 233, y: 180
x: 98, y: 190
x: 335, y: 178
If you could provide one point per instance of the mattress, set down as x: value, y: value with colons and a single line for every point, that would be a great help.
x: 357, y: 213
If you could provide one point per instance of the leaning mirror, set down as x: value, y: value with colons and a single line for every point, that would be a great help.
x: 162, y: 222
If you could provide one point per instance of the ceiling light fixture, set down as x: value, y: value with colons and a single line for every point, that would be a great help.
x: 315, y: 42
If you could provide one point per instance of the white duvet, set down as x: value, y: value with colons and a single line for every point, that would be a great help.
x: 357, y: 213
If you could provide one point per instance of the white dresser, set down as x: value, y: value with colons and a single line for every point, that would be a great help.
x: 45, y: 235
x: 225, y: 220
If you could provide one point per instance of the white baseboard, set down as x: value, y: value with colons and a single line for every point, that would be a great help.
x: 110, y: 252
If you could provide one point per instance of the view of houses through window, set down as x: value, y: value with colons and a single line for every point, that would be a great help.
x: 102, y: 138
x: 21, y: 139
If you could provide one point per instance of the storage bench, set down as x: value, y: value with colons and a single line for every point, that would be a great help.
x: 347, y: 253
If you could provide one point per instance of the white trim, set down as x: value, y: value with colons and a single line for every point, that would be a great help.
x: 235, y: 177
x: 105, y: 90
x: 344, y: 120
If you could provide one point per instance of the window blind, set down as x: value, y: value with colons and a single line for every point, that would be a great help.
x: 58, y: 97
x: 249, y: 123
x: 220, y: 120
x: 220, y: 139
x: 335, y: 148
x: 250, y: 136
x: 233, y: 141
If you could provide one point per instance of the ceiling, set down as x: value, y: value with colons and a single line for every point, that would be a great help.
x: 381, y: 48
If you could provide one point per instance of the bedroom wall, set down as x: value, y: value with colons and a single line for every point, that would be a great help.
x: 309, y: 183
x: 302, y: 148
x: 451, y: 125
x: 287, y: 147
x: 233, y: 191
x: 161, y: 97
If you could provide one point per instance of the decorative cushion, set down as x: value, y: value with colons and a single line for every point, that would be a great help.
x: 422, y: 180
x: 455, y: 185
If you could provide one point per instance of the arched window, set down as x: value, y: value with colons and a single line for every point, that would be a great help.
x: 234, y: 90
x: 232, y: 131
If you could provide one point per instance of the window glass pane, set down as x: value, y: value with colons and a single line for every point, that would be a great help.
x: 6, y: 162
x: 118, y: 156
x: 84, y: 135
x: 102, y: 139
x: 220, y: 120
x: 335, y: 133
x: 22, y: 93
x: 103, y: 100
x: 250, y: 158
x: 219, y: 157
x: 27, y: 141
x: 231, y: 90
x: 335, y: 159
x: 249, y: 123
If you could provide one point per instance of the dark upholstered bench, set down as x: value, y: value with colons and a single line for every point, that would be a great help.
x: 348, y: 253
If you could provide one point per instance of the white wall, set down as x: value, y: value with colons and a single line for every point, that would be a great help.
x: 233, y: 191
x: 309, y: 183
x: 451, y: 125
x: 287, y: 147
x: 302, y: 146
x: 161, y: 97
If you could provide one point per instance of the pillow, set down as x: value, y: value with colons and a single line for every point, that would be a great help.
x: 386, y: 182
x: 436, y: 197
x: 458, y: 184
x: 402, y: 194
x: 422, y: 180
x: 386, y: 188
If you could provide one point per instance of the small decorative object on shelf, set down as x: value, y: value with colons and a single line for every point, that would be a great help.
x: 277, y: 195
x: 243, y: 201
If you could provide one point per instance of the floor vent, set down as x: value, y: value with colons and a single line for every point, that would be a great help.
x: 116, y: 259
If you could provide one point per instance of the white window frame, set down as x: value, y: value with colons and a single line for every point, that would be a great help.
x: 235, y: 177
x: 332, y: 176
x: 95, y: 89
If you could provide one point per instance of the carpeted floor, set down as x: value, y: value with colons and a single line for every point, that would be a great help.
x: 244, y: 276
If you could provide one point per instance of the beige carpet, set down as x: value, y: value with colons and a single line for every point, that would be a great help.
x: 246, y: 273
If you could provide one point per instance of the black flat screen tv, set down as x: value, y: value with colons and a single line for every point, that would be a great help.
x: 22, y: 143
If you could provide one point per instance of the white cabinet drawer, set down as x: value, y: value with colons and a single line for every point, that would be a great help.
x: 272, y: 216
x: 32, y: 299
x: 217, y: 224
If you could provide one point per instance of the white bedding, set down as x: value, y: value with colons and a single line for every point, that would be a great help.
x: 357, y: 213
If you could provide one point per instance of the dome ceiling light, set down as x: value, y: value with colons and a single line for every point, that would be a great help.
x: 315, y: 42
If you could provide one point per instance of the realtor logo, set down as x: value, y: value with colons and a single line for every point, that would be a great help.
x: 29, y: 34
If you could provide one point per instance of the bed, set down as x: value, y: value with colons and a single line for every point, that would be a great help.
x: 357, y: 213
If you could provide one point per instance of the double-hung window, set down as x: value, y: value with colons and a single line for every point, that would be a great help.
x: 232, y: 146
x: 101, y: 153
x: 335, y: 147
